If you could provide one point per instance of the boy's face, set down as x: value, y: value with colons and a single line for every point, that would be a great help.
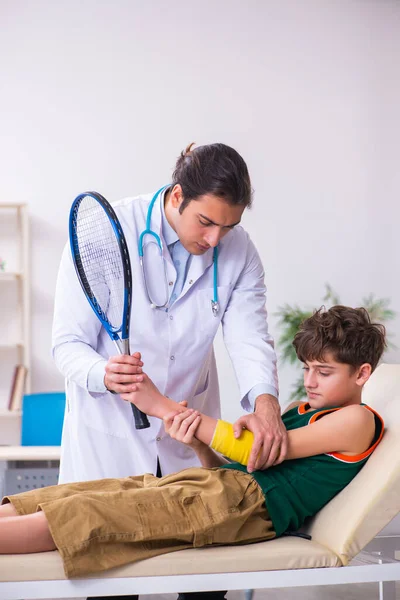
x: 330, y: 383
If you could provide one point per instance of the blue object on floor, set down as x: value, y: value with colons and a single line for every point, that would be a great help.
x: 42, y: 419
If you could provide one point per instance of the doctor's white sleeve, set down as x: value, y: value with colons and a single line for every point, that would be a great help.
x: 75, y: 331
x: 246, y: 336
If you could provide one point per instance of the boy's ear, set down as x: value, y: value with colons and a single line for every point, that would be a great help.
x: 363, y: 374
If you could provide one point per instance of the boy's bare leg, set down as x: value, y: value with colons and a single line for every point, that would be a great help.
x: 25, y: 534
x: 8, y: 510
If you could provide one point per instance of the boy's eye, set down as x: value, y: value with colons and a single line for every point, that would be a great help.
x: 324, y: 374
x: 203, y: 223
x: 305, y: 368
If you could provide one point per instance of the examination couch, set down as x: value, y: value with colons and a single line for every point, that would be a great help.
x: 339, y: 532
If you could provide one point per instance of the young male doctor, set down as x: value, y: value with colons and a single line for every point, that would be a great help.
x: 199, y: 269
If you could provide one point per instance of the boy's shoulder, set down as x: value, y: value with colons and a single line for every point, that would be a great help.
x: 292, y: 405
x: 356, y: 417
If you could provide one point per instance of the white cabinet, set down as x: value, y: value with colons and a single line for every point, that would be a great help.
x: 14, y: 296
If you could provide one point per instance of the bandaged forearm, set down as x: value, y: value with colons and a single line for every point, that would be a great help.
x: 224, y: 442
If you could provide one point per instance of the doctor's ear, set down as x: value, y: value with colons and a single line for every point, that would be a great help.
x: 176, y: 196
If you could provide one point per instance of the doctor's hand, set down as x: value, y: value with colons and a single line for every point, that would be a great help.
x: 121, y: 371
x: 270, y: 435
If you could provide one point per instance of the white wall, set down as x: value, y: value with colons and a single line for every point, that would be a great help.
x: 104, y: 95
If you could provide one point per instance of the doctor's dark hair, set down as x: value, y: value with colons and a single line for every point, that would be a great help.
x: 214, y: 169
x: 347, y: 333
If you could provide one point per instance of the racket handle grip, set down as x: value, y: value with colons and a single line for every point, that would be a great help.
x: 141, y: 420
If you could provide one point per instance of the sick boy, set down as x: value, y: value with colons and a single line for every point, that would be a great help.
x: 107, y: 523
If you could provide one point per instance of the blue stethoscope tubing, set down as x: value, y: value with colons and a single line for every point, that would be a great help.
x: 149, y: 231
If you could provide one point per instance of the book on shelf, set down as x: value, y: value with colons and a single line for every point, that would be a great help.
x: 17, y: 388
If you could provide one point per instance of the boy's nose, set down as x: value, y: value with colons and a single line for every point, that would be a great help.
x: 310, y: 380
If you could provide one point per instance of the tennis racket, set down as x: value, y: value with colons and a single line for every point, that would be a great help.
x: 102, y: 263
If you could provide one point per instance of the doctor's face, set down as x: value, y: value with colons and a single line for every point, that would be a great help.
x: 203, y: 222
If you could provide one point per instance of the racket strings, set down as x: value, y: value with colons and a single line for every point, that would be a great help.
x: 101, y: 261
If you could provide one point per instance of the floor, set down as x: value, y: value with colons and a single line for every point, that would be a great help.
x: 359, y: 591
x: 367, y: 591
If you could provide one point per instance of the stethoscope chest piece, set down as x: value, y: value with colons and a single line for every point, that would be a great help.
x: 215, y: 308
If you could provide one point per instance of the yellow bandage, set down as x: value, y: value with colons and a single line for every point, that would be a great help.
x: 224, y: 442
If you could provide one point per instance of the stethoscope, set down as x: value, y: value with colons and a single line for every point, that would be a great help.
x: 149, y: 231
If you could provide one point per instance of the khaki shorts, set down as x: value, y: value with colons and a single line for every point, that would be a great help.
x: 107, y: 523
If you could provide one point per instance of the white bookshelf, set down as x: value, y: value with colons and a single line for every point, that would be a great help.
x: 10, y: 427
x: 15, y: 284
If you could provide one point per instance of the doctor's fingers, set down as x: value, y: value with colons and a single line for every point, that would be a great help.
x: 112, y: 368
x: 117, y: 378
x: 125, y: 359
x: 256, y: 450
x: 268, y: 455
x: 282, y: 451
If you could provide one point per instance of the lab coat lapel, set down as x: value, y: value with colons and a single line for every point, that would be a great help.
x: 198, y: 266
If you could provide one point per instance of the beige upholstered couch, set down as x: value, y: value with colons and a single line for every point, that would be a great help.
x: 339, y: 532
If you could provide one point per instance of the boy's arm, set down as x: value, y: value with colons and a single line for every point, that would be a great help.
x: 182, y: 426
x: 349, y: 430
x: 146, y: 396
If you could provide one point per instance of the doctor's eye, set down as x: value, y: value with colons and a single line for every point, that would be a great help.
x: 204, y: 224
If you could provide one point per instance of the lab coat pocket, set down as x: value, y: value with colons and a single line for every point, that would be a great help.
x: 199, y: 401
x: 208, y: 322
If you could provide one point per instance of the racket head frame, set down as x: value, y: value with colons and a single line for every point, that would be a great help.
x: 122, y: 333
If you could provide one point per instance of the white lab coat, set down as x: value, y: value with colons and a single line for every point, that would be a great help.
x: 99, y: 436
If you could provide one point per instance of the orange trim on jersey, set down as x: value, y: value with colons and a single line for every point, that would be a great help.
x: 321, y: 412
x: 302, y: 408
x: 356, y: 457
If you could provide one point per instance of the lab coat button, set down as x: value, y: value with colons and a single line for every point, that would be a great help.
x: 172, y: 357
x: 171, y: 317
x: 158, y: 439
x: 190, y: 281
x: 171, y: 283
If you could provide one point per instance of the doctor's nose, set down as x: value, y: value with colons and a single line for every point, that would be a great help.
x: 213, y: 237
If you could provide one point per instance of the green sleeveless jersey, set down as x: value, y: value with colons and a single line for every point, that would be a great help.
x: 299, y: 488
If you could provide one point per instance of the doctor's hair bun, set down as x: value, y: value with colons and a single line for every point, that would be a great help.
x: 213, y: 169
x: 188, y: 150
